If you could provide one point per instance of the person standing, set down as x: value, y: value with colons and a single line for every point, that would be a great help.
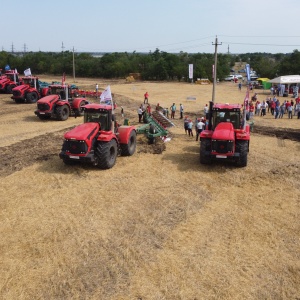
x: 97, y: 87
x: 122, y: 111
x: 173, y: 110
x: 185, y: 124
x: 200, y: 127
x: 181, y: 111
x: 240, y: 86
x: 263, y: 108
x: 140, y: 114
x: 205, y: 111
x: 146, y: 96
x: 290, y: 111
x: 190, y: 128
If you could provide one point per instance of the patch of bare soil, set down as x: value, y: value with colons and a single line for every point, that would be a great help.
x: 282, y: 133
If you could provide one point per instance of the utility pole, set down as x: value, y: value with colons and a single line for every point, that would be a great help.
x: 62, y: 47
x: 215, y: 69
x: 25, y: 48
x: 12, y: 48
x: 73, y: 65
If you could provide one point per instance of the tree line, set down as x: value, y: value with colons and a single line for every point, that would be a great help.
x: 157, y: 65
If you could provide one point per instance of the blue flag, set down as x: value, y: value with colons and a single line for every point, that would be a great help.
x: 248, y: 72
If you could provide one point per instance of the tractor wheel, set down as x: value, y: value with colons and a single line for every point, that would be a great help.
x: 44, y: 117
x: 152, y: 130
x: 62, y: 112
x: 32, y: 97
x: 242, y: 148
x: 129, y: 149
x: 9, y: 88
x: 107, y: 154
x: 80, y: 109
x: 205, y: 145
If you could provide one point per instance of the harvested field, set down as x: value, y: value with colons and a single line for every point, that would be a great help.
x: 158, y: 225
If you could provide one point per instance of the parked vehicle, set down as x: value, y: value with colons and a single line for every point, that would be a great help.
x: 8, y: 81
x: 227, y: 135
x: 30, y: 90
x: 58, y: 104
x: 99, y: 139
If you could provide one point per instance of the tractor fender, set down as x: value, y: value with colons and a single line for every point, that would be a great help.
x: 107, y: 136
x: 45, y: 91
x: 62, y: 102
x: 124, y: 133
x: 76, y: 102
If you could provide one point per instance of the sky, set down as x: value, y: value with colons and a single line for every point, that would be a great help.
x: 191, y: 26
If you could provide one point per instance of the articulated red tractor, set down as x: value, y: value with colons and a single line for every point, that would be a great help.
x: 99, y: 139
x: 58, y: 104
x: 227, y: 135
x: 8, y: 81
x: 30, y: 90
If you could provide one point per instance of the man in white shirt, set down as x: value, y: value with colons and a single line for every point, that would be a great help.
x: 200, y: 127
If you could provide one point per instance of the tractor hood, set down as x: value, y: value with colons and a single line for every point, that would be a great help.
x: 83, y: 132
x: 21, y: 87
x: 223, y: 131
x: 48, y: 99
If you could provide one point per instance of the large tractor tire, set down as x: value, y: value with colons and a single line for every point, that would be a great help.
x: 9, y: 88
x: 63, y: 112
x: 80, y: 109
x: 205, y: 145
x: 32, y: 97
x: 129, y: 149
x: 242, y: 148
x: 106, y: 153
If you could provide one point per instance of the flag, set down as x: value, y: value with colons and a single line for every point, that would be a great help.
x: 190, y: 71
x: 7, y: 68
x: 63, y: 80
x: 27, y: 72
x: 246, y: 100
x: 106, y: 97
x: 248, y: 72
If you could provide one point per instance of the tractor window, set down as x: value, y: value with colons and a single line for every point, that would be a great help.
x: 226, y: 116
x: 100, y: 118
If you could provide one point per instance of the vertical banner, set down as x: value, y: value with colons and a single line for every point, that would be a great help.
x: 191, y: 71
x: 248, y: 72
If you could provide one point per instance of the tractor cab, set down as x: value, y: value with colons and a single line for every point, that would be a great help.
x: 61, y: 90
x: 101, y: 114
x: 231, y: 114
x: 31, y: 81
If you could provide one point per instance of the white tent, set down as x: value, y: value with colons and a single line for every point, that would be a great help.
x: 288, y: 79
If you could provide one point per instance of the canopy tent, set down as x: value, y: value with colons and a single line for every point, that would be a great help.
x: 288, y: 79
x: 265, y: 83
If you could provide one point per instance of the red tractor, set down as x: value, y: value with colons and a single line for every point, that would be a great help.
x: 30, y: 90
x: 99, y: 139
x: 58, y: 104
x: 227, y: 135
x: 8, y: 81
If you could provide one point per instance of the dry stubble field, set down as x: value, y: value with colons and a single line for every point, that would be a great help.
x: 155, y: 226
